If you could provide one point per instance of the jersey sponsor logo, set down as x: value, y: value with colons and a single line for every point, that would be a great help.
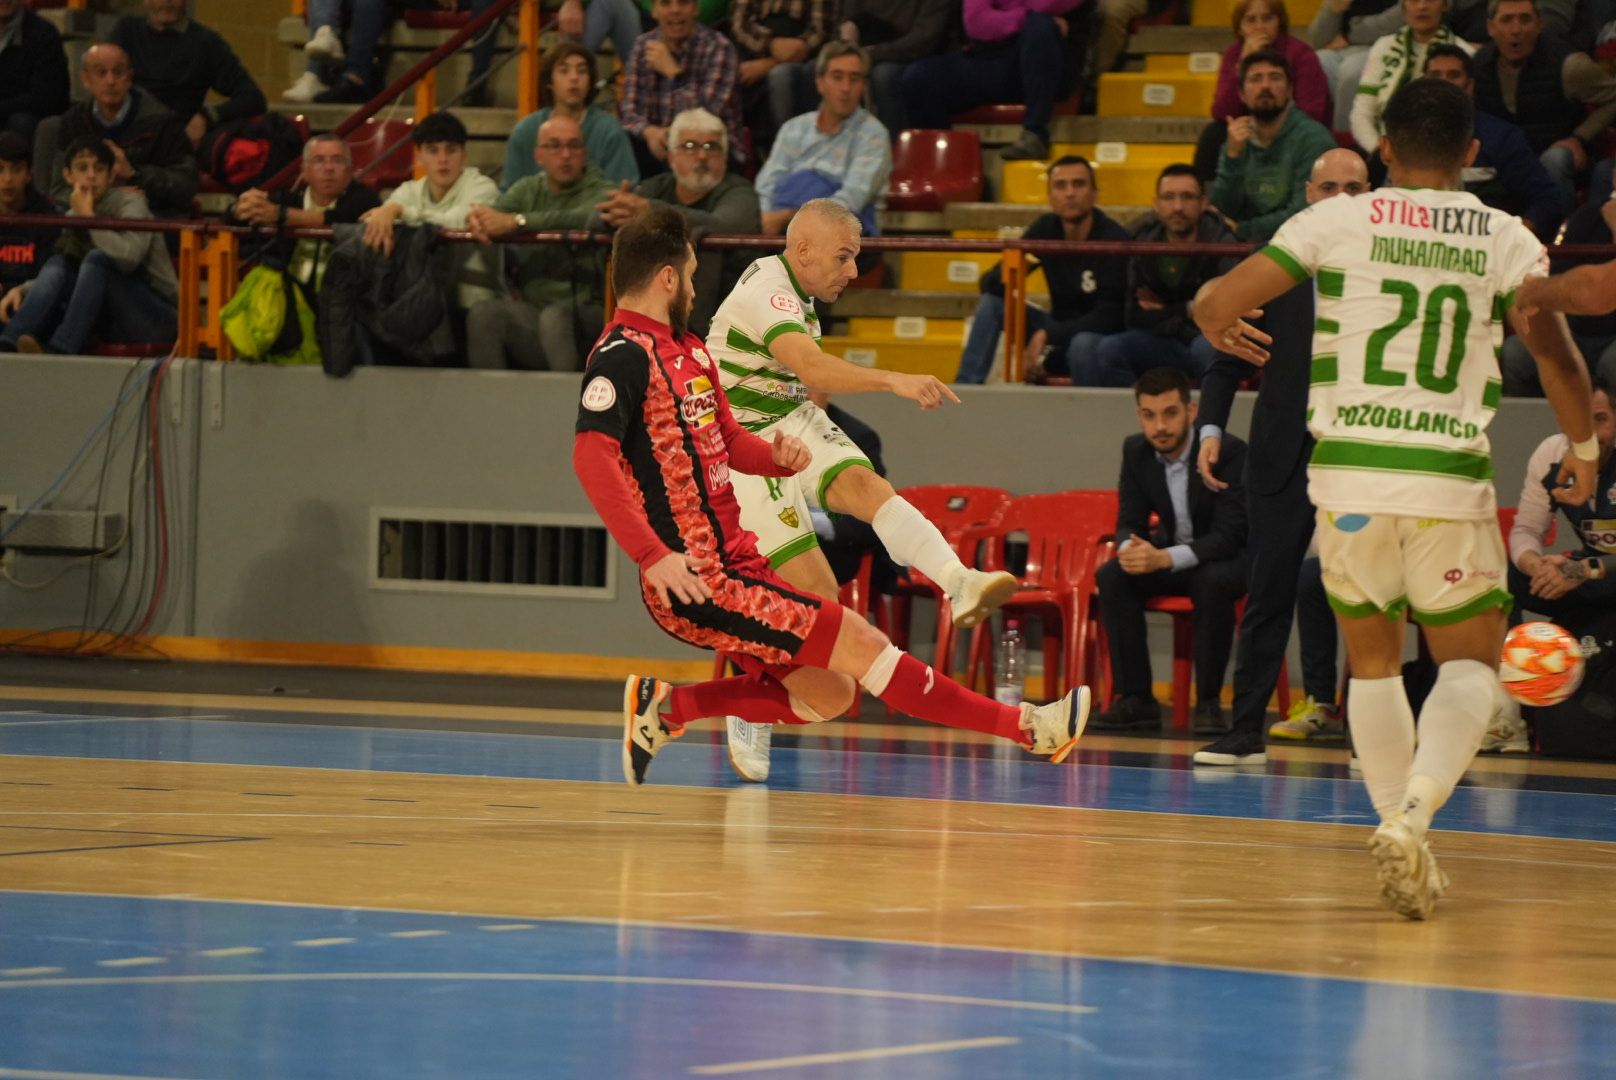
x: 789, y: 516
x: 1393, y: 418
x: 1461, y: 220
x: 787, y: 304
x: 1600, y: 534
x: 600, y: 394
x: 699, y: 407
x: 1454, y: 576
x: 717, y: 475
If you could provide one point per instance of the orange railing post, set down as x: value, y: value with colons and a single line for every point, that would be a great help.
x: 527, y: 66
x: 190, y: 275
x: 426, y: 103
x: 1014, y: 272
x: 300, y: 8
x: 220, y: 257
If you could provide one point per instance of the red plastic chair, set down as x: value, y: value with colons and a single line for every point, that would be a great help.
x: 370, y: 141
x: 1057, y: 586
x: 1011, y: 113
x: 933, y: 168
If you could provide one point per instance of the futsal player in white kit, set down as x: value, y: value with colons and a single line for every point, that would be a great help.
x: 1412, y: 283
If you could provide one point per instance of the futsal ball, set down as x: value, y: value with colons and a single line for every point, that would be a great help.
x: 1542, y: 664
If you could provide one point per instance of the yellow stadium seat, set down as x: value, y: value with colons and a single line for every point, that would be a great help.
x: 943, y: 271
x: 1200, y: 63
x: 914, y: 356
x: 910, y: 328
x: 1220, y: 12
x: 1143, y: 93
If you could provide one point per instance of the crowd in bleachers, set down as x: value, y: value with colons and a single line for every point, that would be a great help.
x: 738, y: 113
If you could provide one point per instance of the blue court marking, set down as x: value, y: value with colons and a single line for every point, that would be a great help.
x: 997, y: 774
x: 572, y: 999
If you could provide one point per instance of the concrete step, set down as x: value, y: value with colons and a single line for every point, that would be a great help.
x: 902, y: 303
x: 1152, y: 40
x: 493, y: 123
x: 988, y: 216
x: 911, y: 328
x: 1195, y: 63
x: 1080, y: 129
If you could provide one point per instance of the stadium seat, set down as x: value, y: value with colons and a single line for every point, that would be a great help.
x: 993, y: 114
x: 370, y: 140
x: 134, y: 350
x: 436, y: 19
x: 933, y: 168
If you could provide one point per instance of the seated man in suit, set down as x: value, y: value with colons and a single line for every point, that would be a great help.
x: 1196, y: 549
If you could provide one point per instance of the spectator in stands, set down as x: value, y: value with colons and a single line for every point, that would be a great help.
x: 1260, y: 26
x: 680, y: 65
x: 33, y: 69
x: 443, y: 197
x: 119, y: 286
x: 562, y: 306
x: 1342, y: 31
x: 149, y: 146
x: 1595, y: 335
x: 23, y: 248
x: 1269, y: 154
x: 1562, y: 100
x: 328, y: 194
x: 1115, y: 24
x: 1159, y: 328
x: 1392, y: 61
x: 178, y: 60
x: 712, y: 199
x: 338, y: 74
x: 1196, y: 549
x: 1505, y: 173
x: 1018, y: 51
x: 777, y: 41
x: 840, y: 152
x: 1085, y: 291
x: 595, y: 21
x: 1552, y: 585
x: 894, y: 34
x: 567, y: 86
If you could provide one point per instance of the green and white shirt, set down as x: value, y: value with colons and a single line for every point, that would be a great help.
x: 766, y: 303
x: 1411, y: 288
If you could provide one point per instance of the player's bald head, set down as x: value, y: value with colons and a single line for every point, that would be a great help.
x: 1337, y: 172
x: 822, y: 223
x: 822, y: 243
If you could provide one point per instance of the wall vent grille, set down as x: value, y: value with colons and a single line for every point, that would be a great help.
x: 470, y: 552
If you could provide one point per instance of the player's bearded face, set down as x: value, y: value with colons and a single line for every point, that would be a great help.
x: 684, y: 298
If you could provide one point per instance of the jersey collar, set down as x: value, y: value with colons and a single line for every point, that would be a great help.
x: 804, y: 297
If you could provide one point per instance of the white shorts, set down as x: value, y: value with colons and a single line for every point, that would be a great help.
x: 1443, y: 571
x: 777, y: 508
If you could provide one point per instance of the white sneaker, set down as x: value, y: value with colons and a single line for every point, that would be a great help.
x: 644, y: 733
x: 1408, y: 880
x: 749, y: 748
x: 1506, y: 731
x: 1056, y: 727
x: 304, y: 89
x: 977, y: 594
x: 325, y: 45
x: 1437, y: 880
x: 1307, y: 719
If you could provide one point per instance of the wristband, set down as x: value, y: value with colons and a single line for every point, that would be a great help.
x: 1587, y: 449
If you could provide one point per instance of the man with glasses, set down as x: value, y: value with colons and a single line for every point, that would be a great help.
x: 711, y: 198
x: 562, y: 308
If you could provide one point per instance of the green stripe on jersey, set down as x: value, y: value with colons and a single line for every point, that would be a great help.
x: 752, y: 401
x: 1325, y: 370
x: 1326, y: 326
x: 1490, y: 396
x: 1402, y: 457
x: 1287, y: 262
x: 1332, y: 282
x: 779, y: 329
x: 738, y: 341
x: 743, y: 372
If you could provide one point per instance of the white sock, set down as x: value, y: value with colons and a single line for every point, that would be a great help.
x: 1452, y: 725
x: 1383, y: 735
x: 876, y: 679
x: 914, y: 541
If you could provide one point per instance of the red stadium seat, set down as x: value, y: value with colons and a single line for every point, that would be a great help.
x: 436, y: 19
x: 370, y: 140
x: 933, y: 168
x: 1006, y: 113
x: 301, y: 123
x: 134, y: 350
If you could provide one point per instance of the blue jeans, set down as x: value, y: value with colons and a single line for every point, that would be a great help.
x: 791, y: 91
x: 79, y: 298
x: 1519, y: 370
x: 1122, y: 358
x: 367, y: 22
x: 615, y: 19
x: 1557, y: 162
x: 937, y: 87
x: 987, y: 327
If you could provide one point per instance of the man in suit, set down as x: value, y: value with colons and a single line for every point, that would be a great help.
x: 1197, y: 549
x: 1276, y: 487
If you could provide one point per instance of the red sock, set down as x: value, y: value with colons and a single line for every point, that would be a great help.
x: 919, y: 691
x: 759, y: 699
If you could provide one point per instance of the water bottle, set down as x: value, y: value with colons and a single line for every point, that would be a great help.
x: 1011, y: 664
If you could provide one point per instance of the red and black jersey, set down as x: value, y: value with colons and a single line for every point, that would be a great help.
x: 659, y: 400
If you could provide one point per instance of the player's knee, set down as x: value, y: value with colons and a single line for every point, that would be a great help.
x: 858, y: 646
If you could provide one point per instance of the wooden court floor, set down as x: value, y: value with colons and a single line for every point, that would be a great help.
x: 149, y: 837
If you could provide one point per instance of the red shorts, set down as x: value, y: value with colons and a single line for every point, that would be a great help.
x: 755, y: 615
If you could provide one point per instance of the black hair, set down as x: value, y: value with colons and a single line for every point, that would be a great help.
x: 1180, y: 170
x: 1272, y: 57
x: 1430, y: 123
x: 440, y: 127
x: 657, y: 236
x: 93, y: 145
x: 1073, y: 159
x: 14, y: 149
x: 1452, y: 52
x: 1162, y: 380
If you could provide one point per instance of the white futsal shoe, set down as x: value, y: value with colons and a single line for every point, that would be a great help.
x: 749, y: 748
x: 325, y: 45
x: 305, y: 89
x: 976, y: 594
x: 644, y: 733
x: 1506, y: 731
x: 1410, y: 882
x: 1056, y: 727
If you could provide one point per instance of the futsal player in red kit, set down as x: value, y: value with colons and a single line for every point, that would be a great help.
x: 654, y: 448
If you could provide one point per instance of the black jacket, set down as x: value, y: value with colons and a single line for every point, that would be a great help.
x: 1086, y: 292
x: 345, y: 211
x: 1218, y: 518
x: 33, y: 72
x: 1543, y: 111
x: 402, y: 299
x: 154, y: 141
x: 24, y: 250
x: 1176, y: 291
x: 179, y: 67
x: 1279, y: 440
x: 901, y: 30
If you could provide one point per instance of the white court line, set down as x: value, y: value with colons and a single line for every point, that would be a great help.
x: 322, y: 942
x: 852, y: 1055
x: 31, y: 971
x: 133, y: 961
x: 66, y: 719
x: 416, y: 933
x: 43, y: 1074
x: 502, y: 928
x: 236, y: 950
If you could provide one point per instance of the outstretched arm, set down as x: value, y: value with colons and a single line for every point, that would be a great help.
x: 1223, y: 305
x: 1587, y: 290
x: 819, y: 370
x: 1564, y: 376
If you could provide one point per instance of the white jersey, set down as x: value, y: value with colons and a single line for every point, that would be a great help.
x: 765, y: 303
x: 1411, y: 288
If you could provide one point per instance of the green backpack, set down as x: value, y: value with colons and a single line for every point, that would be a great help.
x: 255, y: 320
